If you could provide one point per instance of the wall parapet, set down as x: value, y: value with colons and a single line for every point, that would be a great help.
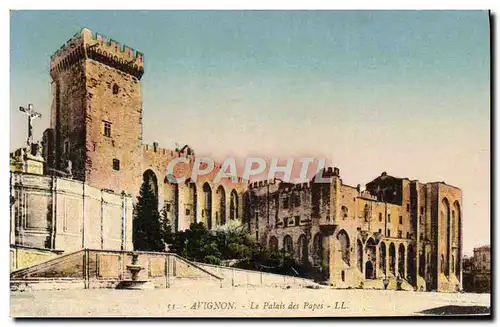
x: 86, y: 45
x: 58, y: 213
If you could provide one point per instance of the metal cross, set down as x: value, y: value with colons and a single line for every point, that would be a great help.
x: 32, y: 114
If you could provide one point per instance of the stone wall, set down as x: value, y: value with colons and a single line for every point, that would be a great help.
x: 22, y: 257
x: 241, y: 277
x: 90, y: 268
x: 65, y: 214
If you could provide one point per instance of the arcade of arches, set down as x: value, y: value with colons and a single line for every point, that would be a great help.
x: 362, y: 245
x: 188, y: 202
x: 398, y: 231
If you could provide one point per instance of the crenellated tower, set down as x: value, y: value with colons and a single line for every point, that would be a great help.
x: 96, y: 117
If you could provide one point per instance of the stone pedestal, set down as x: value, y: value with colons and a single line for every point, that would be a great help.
x: 33, y: 164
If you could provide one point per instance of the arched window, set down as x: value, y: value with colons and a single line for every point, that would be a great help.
x: 221, y: 205
x: 344, y: 212
x: 401, y: 261
x: 288, y: 244
x: 359, y: 251
x: 273, y: 244
x: 318, y: 248
x: 445, y: 230
x: 207, y: 205
x: 233, y: 205
x: 344, y: 246
x: 382, y: 256
x: 366, y: 212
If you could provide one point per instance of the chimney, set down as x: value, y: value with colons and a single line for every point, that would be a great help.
x: 155, y: 146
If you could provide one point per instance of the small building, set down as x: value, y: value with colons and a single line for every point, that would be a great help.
x: 477, y: 271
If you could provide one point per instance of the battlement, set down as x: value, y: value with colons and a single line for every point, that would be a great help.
x: 284, y: 187
x: 160, y: 151
x: 297, y: 187
x: 86, y: 45
x: 367, y: 195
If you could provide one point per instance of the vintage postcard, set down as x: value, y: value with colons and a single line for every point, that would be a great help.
x: 250, y: 163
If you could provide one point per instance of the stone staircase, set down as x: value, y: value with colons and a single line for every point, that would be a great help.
x: 89, y: 268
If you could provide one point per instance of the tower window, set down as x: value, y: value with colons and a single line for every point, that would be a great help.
x: 116, y: 164
x: 107, y: 128
x: 400, y: 219
x: 380, y: 216
x: 116, y: 89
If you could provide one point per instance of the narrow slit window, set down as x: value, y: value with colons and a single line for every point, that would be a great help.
x: 116, y: 164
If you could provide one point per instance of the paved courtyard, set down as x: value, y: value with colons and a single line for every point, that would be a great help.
x: 239, y: 302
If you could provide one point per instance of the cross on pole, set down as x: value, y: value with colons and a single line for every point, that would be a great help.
x: 32, y: 114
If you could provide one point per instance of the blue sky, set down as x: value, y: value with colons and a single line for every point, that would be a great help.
x: 402, y: 92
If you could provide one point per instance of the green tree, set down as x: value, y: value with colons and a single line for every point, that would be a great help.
x: 231, y: 242
x: 147, y: 229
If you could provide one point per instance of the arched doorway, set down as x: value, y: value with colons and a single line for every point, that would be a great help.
x: 207, y: 208
x: 220, y: 213
x: 401, y: 261
x: 382, y: 257
x: 411, y: 265
x: 303, y: 252
x: 359, y: 252
x: 371, y: 252
x: 369, y: 271
x: 318, y: 249
x: 392, y: 258
x: 345, y: 245
x: 421, y: 265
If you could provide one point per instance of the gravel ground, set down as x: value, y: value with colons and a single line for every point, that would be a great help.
x: 234, y: 302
